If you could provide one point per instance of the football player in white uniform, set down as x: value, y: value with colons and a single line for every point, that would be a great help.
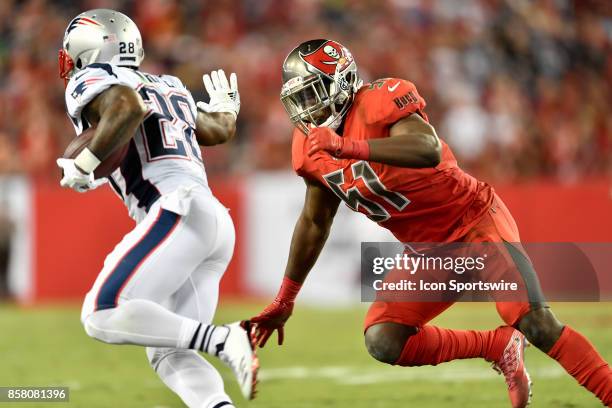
x: 159, y: 286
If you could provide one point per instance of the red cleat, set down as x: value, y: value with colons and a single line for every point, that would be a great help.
x: 512, y: 366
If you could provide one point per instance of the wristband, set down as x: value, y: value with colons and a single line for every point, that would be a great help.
x: 356, y: 150
x: 87, y: 161
x: 201, y: 108
x: 288, y: 290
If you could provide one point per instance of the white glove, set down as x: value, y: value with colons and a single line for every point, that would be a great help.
x: 224, y: 96
x: 76, y: 179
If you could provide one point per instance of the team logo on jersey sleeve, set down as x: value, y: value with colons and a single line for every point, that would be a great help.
x: 81, y: 87
x: 328, y: 57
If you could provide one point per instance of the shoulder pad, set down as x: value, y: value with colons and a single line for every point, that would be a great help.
x: 88, y: 83
x: 173, y: 81
x: 385, y: 101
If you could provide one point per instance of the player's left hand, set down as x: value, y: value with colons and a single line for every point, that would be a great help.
x: 224, y: 95
x: 324, y: 138
x: 76, y: 179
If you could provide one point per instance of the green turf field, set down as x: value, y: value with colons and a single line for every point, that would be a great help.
x: 322, y: 364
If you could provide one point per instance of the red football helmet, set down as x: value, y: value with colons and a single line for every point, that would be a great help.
x: 319, y: 82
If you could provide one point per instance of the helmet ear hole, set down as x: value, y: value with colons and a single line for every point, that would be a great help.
x: 79, y: 64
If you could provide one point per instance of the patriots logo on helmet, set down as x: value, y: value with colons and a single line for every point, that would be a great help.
x: 327, y: 57
x: 81, y: 21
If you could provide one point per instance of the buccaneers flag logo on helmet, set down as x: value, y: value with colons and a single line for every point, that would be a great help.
x: 328, y: 57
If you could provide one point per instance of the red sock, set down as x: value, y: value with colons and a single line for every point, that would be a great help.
x: 580, y: 359
x: 434, y: 345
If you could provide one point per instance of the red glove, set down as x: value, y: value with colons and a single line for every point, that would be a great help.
x: 324, y: 138
x: 276, y: 314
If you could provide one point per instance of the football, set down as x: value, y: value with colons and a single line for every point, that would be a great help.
x: 108, y: 165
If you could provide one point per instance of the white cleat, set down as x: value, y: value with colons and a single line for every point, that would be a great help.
x: 239, y: 354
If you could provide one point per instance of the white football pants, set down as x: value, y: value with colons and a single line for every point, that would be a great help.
x: 159, y: 283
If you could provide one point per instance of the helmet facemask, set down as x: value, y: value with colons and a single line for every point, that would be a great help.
x: 66, y: 65
x: 307, y: 102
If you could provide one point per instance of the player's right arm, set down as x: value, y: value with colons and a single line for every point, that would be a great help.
x: 309, y: 237
x: 116, y: 112
x: 105, y: 99
x: 311, y: 230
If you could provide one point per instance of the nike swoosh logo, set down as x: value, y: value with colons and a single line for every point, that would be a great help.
x: 76, y: 78
x: 393, y: 88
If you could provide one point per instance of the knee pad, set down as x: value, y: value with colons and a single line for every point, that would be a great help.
x: 100, y: 326
x: 91, y: 324
x: 88, y: 306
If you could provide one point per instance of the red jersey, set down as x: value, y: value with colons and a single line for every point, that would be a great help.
x: 417, y: 205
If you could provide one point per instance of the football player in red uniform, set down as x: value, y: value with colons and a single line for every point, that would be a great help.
x: 372, y: 147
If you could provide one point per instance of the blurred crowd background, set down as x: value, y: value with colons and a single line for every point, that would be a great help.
x: 520, y: 89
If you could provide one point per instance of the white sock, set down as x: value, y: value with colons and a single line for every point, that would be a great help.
x: 209, y: 338
x: 190, y: 376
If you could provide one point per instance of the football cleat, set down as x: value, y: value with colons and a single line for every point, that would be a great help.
x: 512, y: 366
x: 239, y: 354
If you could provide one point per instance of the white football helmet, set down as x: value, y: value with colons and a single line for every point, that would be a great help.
x: 100, y: 35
